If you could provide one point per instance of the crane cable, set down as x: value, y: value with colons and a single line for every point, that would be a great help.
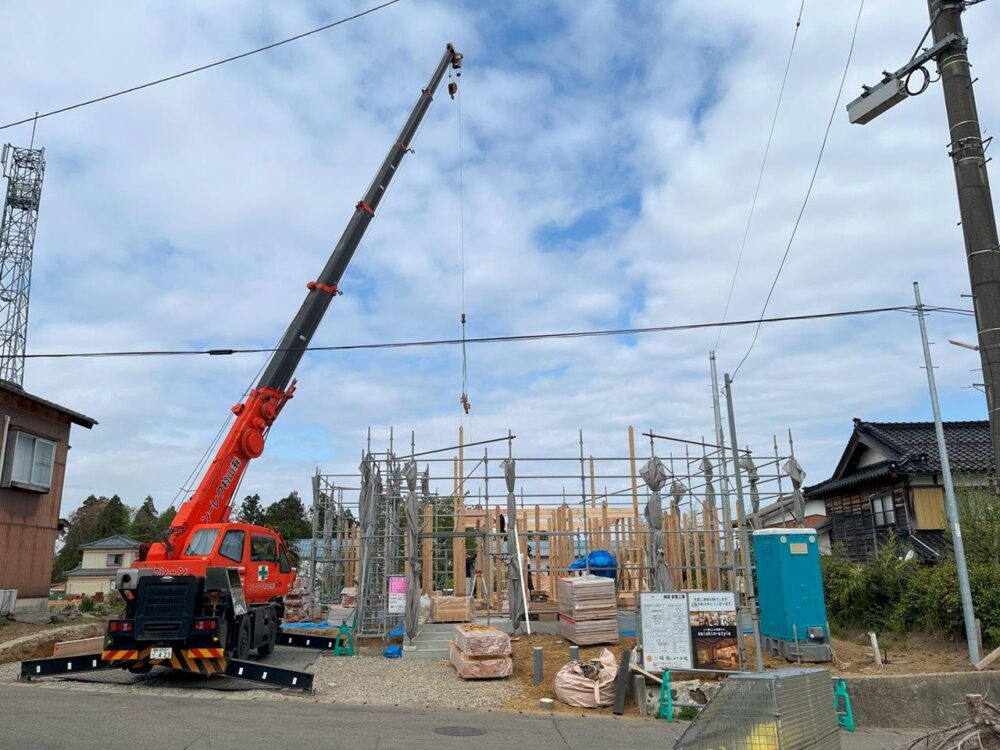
x: 466, y: 406
x: 812, y: 182
x: 760, y: 174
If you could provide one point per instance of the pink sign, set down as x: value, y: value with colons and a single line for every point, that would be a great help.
x: 397, y: 584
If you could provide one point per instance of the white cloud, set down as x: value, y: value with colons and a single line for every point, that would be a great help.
x: 628, y: 136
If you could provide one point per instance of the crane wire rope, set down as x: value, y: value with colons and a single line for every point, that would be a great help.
x: 760, y: 175
x: 809, y: 189
x: 515, y: 338
x: 202, y: 68
x: 185, y: 488
x: 464, y: 400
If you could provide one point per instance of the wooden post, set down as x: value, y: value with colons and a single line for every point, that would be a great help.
x: 427, y: 552
x: 696, y: 554
x: 593, y: 485
x: 632, y: 471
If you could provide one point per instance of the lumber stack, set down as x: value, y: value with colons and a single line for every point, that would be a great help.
x: 452, y: 609
x: 480, y: 652
x: 297, y: 603
x: 588, y: 611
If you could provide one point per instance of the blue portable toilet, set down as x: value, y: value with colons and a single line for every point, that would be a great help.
x: 793, y: 619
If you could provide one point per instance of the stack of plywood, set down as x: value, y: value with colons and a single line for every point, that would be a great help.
x: 588, y: 611
x: 480, y: 652
x: 452, y: 609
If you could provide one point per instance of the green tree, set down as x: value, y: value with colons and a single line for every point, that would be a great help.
x: 114, y: 518
x: 288, y: 517
x: 163, y: 522
x: 251, y: 511
x: 96, y: 518
x: 145, y: 523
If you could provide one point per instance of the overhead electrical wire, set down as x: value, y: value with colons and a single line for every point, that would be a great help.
x: 200, y: 68
x: 495, y: 339
x: 809, y: 189
x: 760, y: 174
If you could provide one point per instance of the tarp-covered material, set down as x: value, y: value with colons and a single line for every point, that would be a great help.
x: 600, y: 562
x: 654, y: 474
x: 798, y: 476
x: 410, y: 619
x: 370, y: 481
x: 587, y: 684
x: 753, y: 478
x: 515, y: 595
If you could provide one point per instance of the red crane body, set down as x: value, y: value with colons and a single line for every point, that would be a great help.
x: 213, y: 589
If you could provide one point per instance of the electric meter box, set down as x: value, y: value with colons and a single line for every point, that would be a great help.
x: 793, y: 619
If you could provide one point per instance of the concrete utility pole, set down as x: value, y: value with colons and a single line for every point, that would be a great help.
x: 979, y: 225
x: 950, y: 505
x: 965, y: 146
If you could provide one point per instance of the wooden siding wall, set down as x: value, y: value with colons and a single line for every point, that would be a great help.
x: 928, y: 506
x: 853, y: 524
x: 29, y: 521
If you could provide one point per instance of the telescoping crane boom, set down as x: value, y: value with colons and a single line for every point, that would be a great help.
x: 212, y: 589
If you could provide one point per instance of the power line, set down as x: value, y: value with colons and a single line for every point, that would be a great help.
x: 760, y: 175
x: 812, y: 181
x: 200, y: 68
x: 484, y: 339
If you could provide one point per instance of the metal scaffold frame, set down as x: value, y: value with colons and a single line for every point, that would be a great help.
x: 566, y: 507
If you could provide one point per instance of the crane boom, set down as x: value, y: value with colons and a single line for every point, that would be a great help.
x: 211, y: 501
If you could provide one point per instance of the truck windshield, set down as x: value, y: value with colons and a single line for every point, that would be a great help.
x: 202, y: 542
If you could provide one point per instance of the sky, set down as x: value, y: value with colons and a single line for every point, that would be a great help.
x: 596, y: 172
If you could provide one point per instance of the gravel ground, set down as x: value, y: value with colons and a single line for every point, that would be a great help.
x: 368, y: 680
x: 413, y: 682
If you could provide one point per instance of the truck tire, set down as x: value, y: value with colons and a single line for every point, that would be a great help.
x: 241, y: 650
x: 267, y: 647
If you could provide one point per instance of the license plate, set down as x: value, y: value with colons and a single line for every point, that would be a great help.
x: 161, y: 653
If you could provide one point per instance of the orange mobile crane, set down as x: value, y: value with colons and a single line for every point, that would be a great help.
x: 212, y: 590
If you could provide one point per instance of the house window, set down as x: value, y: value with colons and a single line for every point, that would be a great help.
x: 33, y: 460
x: 883, y: 510
x: 115, y: 560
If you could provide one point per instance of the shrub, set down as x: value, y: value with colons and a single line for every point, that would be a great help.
x: 87, y: 604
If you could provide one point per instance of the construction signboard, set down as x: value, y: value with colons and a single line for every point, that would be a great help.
x: 689, y: 631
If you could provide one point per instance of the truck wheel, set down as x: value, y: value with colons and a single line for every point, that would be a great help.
x: 242, y: 649
x: 267, y: 647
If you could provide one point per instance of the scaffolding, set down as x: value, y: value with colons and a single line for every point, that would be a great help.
x: 566, y: 507
x: 24, y: 169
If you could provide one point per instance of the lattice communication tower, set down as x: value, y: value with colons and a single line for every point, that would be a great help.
x: 23, y: 168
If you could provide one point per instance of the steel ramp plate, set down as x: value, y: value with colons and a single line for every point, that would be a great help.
x: 262, y: 672
x: 302, y: 640
x: 64, y: 665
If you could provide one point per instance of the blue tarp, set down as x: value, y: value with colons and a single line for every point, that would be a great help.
x: 600, y: 561
x: 392, y: 652
x: 307, y: 625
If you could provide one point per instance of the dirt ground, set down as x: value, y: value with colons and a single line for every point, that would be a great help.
x: 9, y: 629
x: 555, y: 651
x: 910, y: 654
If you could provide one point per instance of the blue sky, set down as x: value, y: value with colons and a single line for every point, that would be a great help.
x: 610, y: 152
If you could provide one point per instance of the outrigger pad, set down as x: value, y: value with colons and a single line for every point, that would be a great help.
x: 262, y: 672
x: 302, y: 640
x: 63, y: 665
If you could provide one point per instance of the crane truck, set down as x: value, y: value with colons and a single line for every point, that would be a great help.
x: 211, y: 591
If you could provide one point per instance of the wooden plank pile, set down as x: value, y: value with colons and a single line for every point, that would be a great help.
x: 588, y: 612
x: 480, y: 652
x: 452, y: 609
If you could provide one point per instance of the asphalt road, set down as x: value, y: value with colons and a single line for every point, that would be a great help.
x: 32, y: 715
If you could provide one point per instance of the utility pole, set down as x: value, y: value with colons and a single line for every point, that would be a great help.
x: 748, y: 582
x: 979, y: 224
x: 950, y: 505
x: 965, y: 146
